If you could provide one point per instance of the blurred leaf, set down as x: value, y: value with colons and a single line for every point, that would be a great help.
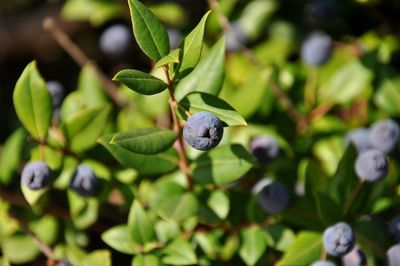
x: 208, y: 76
x: 222, y: 165
x: 72, y: 104
x: 166, y: 230
x: 68, y: 168
x: 305, y: 250
x: 150, y: 34
x: 191, y: 47
x: 144, y: 164
x: 170, y: 13
x: 230, y: 247
x: 329, y: 212
x: 219, y: 203
x: 179, y: 252
x: 208, y: 241
x: 83, y: 128
x: 140, y: 227
x: 145, y: 140
x: 253, y: 245
x: 98, y: 258
x: 53, y: 157
x: 172, y: 57
x: 46, y: 228
x: 10, y: 155
x: 146, y: 260
x: 19, y: 249
x: 280, y: 237
x: 119, y: 238
x: 199, y: 101
x: 91, y: 87
x: 32, y: 196
x: 387, y: 97
x: 329, y: 151
x: 140, y: 82
x: 84, y: 210
x: 32, y: 102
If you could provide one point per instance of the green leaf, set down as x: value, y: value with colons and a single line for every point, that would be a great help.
x: 306, y: 249
x: 230, y: 247
x: 171, y: 201
x: 140, y: 227
x: 140, y: 82
x: 145, y: 140
x: 150, y: 34
x: 280, y: 237
x: 84, y: 211
x: 172, y: 57
x: 328, y: 211
x: 144, y: 164
x: 32, y: 196
x: 222, y: 165
x: 98, y: 258
x: 254, y: 243
x: 84, y: 127
x: 10, y: 155
x: 146, y: 260
x: 91, y: 87
x: 192, y: 46
x: 19, y: 249
x: 179, y: 252
x: 388, y: 96
x: 219, y: 203
x: 119, y: 238
x: 46, y: 228
x: 208, y: 76
x: 199, y: 101
x: 32, y: 102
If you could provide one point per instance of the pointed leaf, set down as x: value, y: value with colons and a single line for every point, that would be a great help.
x: 140, y: 227
x: 32, y: 102
x: 208, y: 76
x: 150, y: 34
x: 222, y: 165
x: 179, y: 252
x: 32, y: 196
x: 254, y: 243
x: 200, y: 101
x: 145, y: 140
x: 140, y: 82
x: 172, y: 57
x: 119, y: 238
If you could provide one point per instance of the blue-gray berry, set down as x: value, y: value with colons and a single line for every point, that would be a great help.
x: 360, y: 137
x: 175, y: 38
x: 264, y: 148
x: 323, y: 263
x: 235, y: 37
x: 203, y: 131
x: 320, y: 11
x: 273, y: 197
x: 385, y: 135
x: 36, y: 175
x: 338, y: 239
x: 393, y: 255
x: 356, y: 257
x: 371, y: 165
x: 116, y: 40
x: 394, y: 228
x: 56, y: 90
x: 317, y: 49
x: 84, y: 181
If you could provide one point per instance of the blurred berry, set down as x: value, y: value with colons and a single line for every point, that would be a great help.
x: 116, y: 40
x: 317, y: 49
x: 371, y: 165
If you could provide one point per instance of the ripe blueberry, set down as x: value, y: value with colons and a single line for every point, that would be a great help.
x: 84, y: 181
x: 264, y: 148
x: 385, y: 135
x: 320, y: 11
x: 235, y: 37
x: 323, y: 263
x: 360, y: 137
x: 393, y: 255
x: 56, y: 91
x: 273, y: 196
x: 115, y: 40
x: 317, y: 49
x: 356, y: 257
x: 371, y: 165
x: 394, y: 228
x: 338, y: 239
x: 203, y: 131
x: 36, y: 175
x: 175, y: 38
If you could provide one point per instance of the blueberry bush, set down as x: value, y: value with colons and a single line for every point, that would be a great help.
x: 243, y: 140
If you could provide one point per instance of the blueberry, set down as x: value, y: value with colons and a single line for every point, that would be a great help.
x: 84, y: 181
x: 235, y: 37
x: 394, y: 228
x: 371, y: 165
x: 36, y: 175
x: 385, y: 135
x: 56, y: 90
x: 320, y: 11
x: 317, y: 49
x: 323, y: 263
x: 273, y: 197
x: 116, y: 40
x: 264, y: 148
x: 360, y: 137
x: 203, y: 131
x: 393, y: 255
x: 64, y: 263
x: 338, y: 239
x: 175, y: 38
x: 356, y: 257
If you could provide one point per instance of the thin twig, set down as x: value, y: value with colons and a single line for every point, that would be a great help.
x: 50, y: 25
x: 353, y: 197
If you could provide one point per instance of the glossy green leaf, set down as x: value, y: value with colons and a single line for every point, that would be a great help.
x: 10, y: 155
x: 84, y: 127
x: 146, y: 260
x: 172, y: 57
x: 253, y: 245
x: 222, y: 165
x: 145, y: 140
x: 305, y: 249
x: 144, y: 164
x: 208, y: 76
x: 179, y: 252
x: 84, y: 210
x: 140, y: 227
x: 72, y: 104
x: 192, y: 46
x: 32, y: 196
x: 171, y: 201
x: 119, y: 238
x: 32, y: 102
x: 140, y: 82
x: 199, y: 101
x: 150, y: 34
x: 98, y: 258
x: 219, y: 203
